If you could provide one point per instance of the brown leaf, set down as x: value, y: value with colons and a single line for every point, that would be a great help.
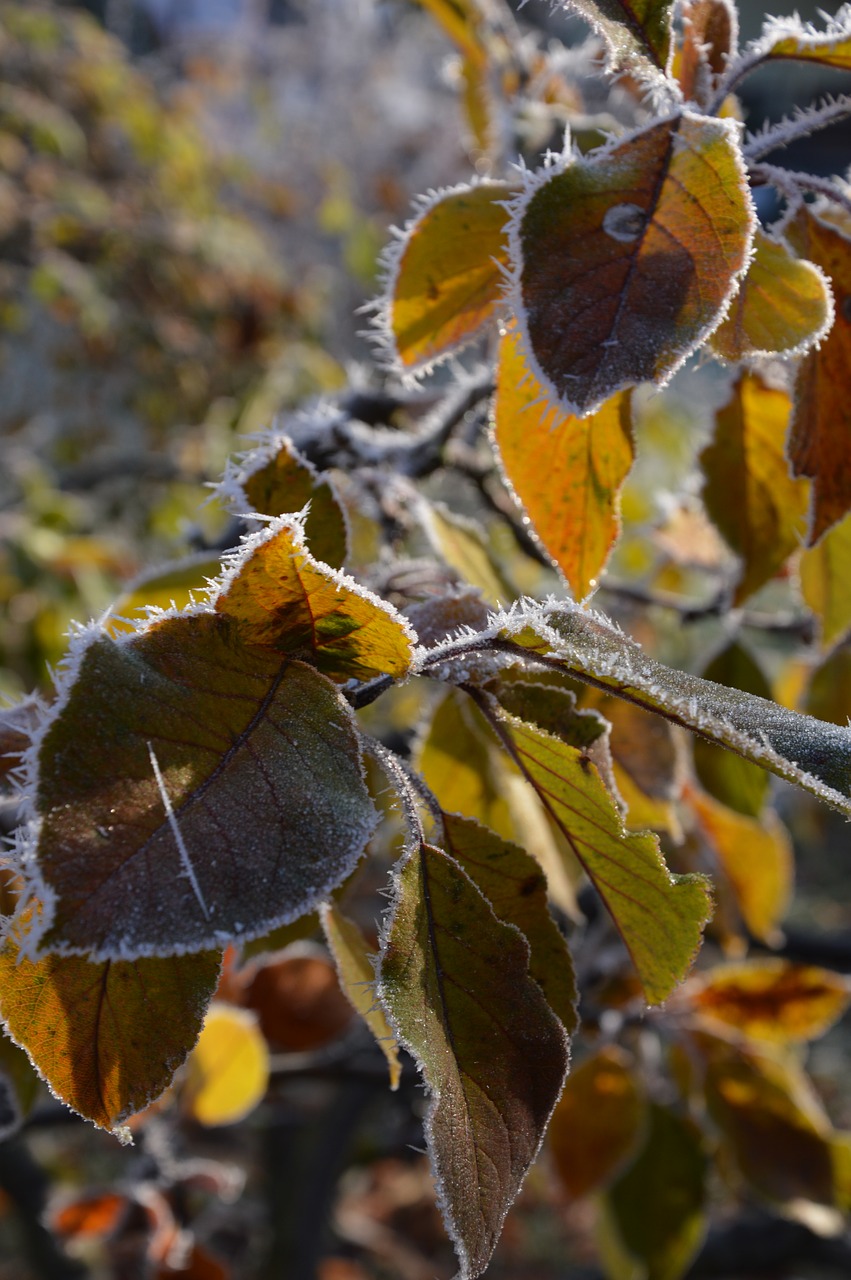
x: 597, y: 1123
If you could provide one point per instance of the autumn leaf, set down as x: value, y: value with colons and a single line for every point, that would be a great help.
x: 735, y: 782
x: 455, y: 983
x: 654, y: 1215
x: 461, y: 543
x: 274, y: 479
x: 106, y: 1037
x: 646, y: 762
x: 770, y: 999
x: 19, y: 1085
x: 174, y: 586
x: 190, y: 791
x: 637, y: 32
x: 356, y: 968
x: 297, y: 999
x: 626, y: 259
x: 516, y: 889
x: 461, y: 20
x: 443, y: 277
x: 228, y: 1071
x: 597, y: 1123
x: 789, y: 38
x: 710, y: 34
x: 659, y: 916
x: 821, y: 421
x: 282, y: 598
x: 825, y: 570
x: 783, y: 307
x: 572, y: 502
x: 829, y: 690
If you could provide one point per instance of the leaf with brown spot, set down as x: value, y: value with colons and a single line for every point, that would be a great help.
x: 821, y: 420
x: 574, y: 501
x: 444, y: 277
x: 255, y: 755
x: 455, y: 983
x: 784, y: 306
x: 597, y: 1123
x: 770, y: 999
x: 281, y: 598
x: 106, y: 1037
x: 626, y: 259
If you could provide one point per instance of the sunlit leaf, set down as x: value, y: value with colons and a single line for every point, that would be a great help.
x: 275, y: 480
x: 812, y: 753
x: 456, y: 986
x: 573, y: 501
x: 284, y: 599
x: 821, y: 421
x: 637, y: 32
x: 782, y: 308
x: 748, y: 491
x: 516, y: 888
x: 829, y: 692
x: 228, y: 1072
x: 106, y: 1037
x: 173, y: 586
x: 461, y: 762
x: 735, y: 782
x: 825, y: 571
x: 769, y: 1114
x: 191, y: 791
x: 356, y: 967
x: 771, y: 999
x: 756, y: 858
x: 654, y: 1216
x: 710, y: 32
x: 789, y: 38
x: 444, y: 278
x: 92, y: 1215
x: 461, y: 20
x: 625, y: 259
x: 298, y: 1000
x: 659, y: 916
x: 597, y: 1123
x: 460, y: 542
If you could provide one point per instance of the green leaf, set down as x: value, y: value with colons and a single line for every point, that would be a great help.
x: 276, y: 480
x: 573, y: 502
x: 654, y: 1219
x: 516, y: 888
x: 356, y: 969
x: 598, y: 1121
x: 736, y: 783
x: 106, y: 1037
x: 782, y: 308
x: 455, y: 983
x: 659, y: 916
x: 191, y: 790
x: 626, y: 259
x: 584, y: 644
x: 280, y: 597
x: 637, y: 32
x: 444, y: 278
x: 748, y: 491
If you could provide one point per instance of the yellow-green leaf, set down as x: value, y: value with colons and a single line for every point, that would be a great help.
x: 356, y: 968
x: 597, y: 1123
x: 228, y: 1072
x: 737, y: 783
x: 748, y: 491
x: 444, y: 278
x: 282, y: 598
x: 625, y: 259
x: 770, y: 999
x: 783, y: 306
x: 19, y: 1085
x: 789, y: 38
x: 172, y: 587
x: 825, y: 572
x: 460, y: 542
x: 637, y: 32
x: 106, y: 1037
x: 829, y: 692
x: 573, y: 501
x: 455, y: 982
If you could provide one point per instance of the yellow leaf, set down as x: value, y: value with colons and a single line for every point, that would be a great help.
x: 573, y: 500
x: 461, y: 544
x: 173, y: 586
x: 825, y: 572
x: 228, y: 1071
x: 770, y: 999
x: 357, y: 978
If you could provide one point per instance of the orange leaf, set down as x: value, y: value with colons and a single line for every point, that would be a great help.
x: 597, y: 1123
x: 444, y: 277
x: 821, y: 422
x: 93, y: 1215
x: 573, y: 501
x: 770, y: 999
x: 626, y: 259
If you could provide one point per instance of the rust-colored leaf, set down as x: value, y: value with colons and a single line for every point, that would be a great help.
x: 770, y: 999
x: 710, y: 33
x: 597, y: 1123
x: 625, y: 259
x: 298, y: 1001
x: 573, y: 501
x: 93, y: 1215
x: 784, y: 306
x: 444, y: 277
x: 821, y: 421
